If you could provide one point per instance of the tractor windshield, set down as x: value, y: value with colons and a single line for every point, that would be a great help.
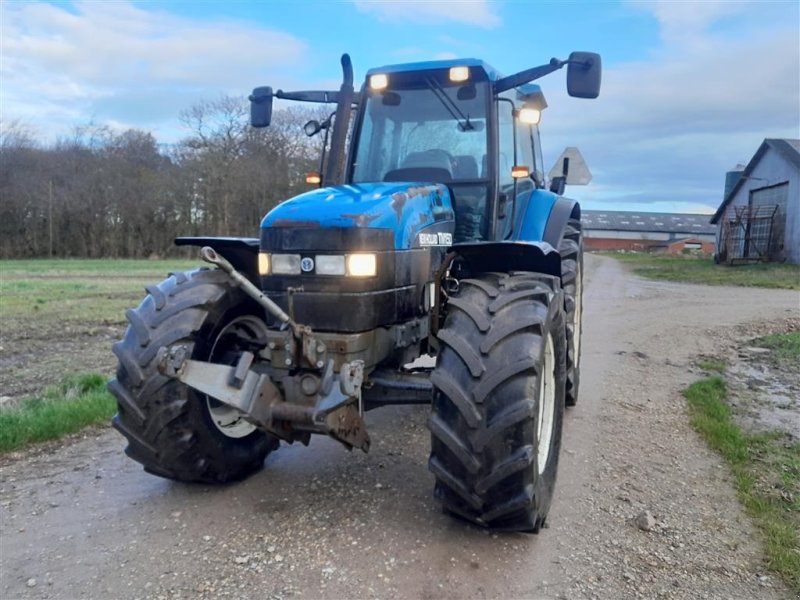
x: 423, y: 127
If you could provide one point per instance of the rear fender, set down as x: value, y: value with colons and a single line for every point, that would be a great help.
x: 543, y: 216
x: 563, y: 210
x: 242, y: 253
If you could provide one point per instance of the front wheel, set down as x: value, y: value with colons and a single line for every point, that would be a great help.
x: 173, y: 430
x: 499, y: 400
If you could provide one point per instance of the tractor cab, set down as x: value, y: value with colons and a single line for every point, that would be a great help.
x: 440, y: 122
x: 456, y: 123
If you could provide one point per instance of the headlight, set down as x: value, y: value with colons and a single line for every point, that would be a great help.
x: 328, y: 264
x: 263, y: 264
x: 361, y: 265
x: 353, y: 265
x: 285, y: 264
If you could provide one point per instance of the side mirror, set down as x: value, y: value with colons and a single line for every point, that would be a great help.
x: 261, y: 106
x: 312, y: 127
x: 583, y: 75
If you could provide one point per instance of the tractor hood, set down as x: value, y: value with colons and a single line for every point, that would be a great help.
x: 403, y: 208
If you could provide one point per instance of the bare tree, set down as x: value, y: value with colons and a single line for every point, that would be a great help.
x: 104, y: 193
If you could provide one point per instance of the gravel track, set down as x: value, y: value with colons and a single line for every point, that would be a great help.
x: 80, y: 520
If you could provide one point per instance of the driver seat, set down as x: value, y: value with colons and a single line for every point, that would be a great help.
x: 430, y: 165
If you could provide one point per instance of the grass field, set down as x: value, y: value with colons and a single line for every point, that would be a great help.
x: 766, y: 467
x: 693, y: 269
x: 67, y: 290
x: 61, y: 317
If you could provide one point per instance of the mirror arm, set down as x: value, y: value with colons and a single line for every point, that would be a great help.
x: 320, y: 96
x: 586, y: 64
x: 523, y: 77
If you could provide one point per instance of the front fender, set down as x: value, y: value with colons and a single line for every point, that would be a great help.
x: 506, y: 256
x: 242, y: 253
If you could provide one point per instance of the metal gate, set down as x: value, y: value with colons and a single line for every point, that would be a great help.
x: 749, y: 234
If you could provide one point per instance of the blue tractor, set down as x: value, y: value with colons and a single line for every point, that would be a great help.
x: 430, y: 265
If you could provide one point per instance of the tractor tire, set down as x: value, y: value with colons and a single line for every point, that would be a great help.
x: 173, y: 430
x: 498, y: 403
x: 571, y: 250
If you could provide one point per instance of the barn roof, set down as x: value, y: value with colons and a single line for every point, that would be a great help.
x: 789, y: 149
x: 616, y: 220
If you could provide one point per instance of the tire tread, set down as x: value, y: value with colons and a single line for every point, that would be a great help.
x: 483, y: 465
x: 161, y: 418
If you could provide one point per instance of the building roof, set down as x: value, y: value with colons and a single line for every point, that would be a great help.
x: 788, y: 149
x: 616, y: 220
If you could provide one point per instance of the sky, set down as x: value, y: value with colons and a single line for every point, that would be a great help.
x: 689, y: 89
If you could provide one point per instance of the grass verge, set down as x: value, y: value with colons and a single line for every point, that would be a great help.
x: 766, y: 467
x: 693, y: 269
x: 785, y: 346
x: 712, y: 364
x: 78, y: 402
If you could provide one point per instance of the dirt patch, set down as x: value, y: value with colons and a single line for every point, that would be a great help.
x: 764, y: 391
x: 35, y: 356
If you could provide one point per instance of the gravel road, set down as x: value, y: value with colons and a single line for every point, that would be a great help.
x: 81, y: 520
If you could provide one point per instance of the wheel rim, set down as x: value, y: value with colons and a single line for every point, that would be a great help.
x: 242, y: 333
x: 547, y: 405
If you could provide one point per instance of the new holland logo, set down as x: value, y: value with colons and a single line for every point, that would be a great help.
x: 435, y: 239
x: 307, y: 264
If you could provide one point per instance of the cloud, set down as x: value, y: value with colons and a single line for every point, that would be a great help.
x: 667, y: 127
x: 98, y: 56
x: 480, y: 13
x: 685, y: 20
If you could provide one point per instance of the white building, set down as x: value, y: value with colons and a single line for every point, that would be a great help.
x: 759, y: 219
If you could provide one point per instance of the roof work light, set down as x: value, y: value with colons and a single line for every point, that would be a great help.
x: 459, y: 74
x: 529, y: 116
x: 379, y: 81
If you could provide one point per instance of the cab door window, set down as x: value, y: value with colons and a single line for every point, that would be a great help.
x: 509, y: 155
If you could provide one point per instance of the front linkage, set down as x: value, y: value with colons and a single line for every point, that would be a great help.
x: 315, y: 399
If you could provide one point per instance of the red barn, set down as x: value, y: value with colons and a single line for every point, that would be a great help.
x: 640, y: 231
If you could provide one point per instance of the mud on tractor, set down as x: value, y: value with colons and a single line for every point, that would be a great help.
x: 432, y: 233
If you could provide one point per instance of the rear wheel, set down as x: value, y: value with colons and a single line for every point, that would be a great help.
x: 174, y: 431
x: 499, y: 400
x: 571, y: 250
